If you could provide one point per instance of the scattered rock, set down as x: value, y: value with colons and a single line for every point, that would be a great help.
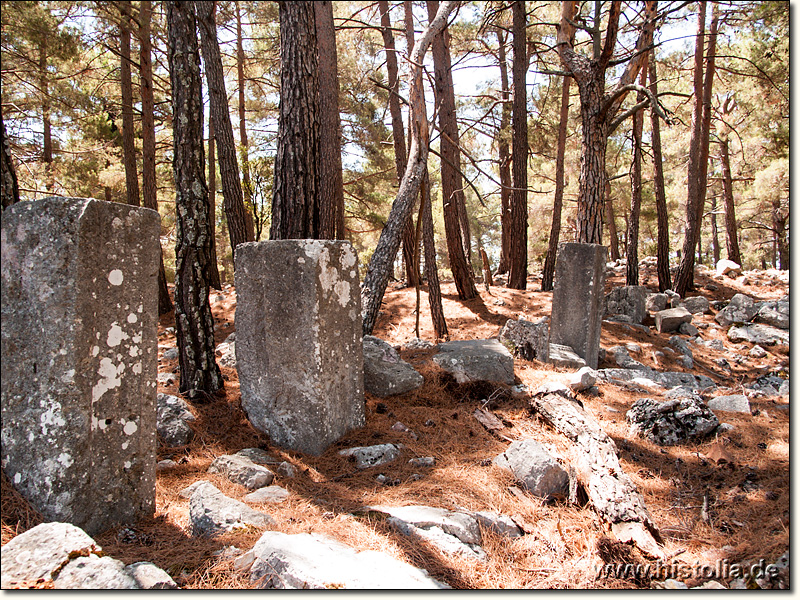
x: 628, y: 300
x: 688, y: 329
x: 502, y: 525
x: 728, y: 267
x: 740, y: 309
x: 536, y: 468
x: 680, y: 345
x: 385, y: 373
x: 665, y: 379
x: 529, y: 340
x: 258, y: 456
x: 422, y: 461
x: 166, y: 379
x: 756, y: 333
x: 671, y: 319
x: 372, y: 456
x: 624, y: 359
x: 418, y: 344
x: 242, y: 470
x: 775, y: 314
x: 163, y: 465
x: 697, y: 305
x: 673, y: 421
x: 170, y: 354
x: 273, y: 493
x: 189, y: 489
x: 172, y: 420
x: 757, y: 352
x: 211, y: 512
x: 458, y: 524
x: 94, y: 572
x: 149, y: 577
x: 656, y: 302
x: 583, y: 379
x: 311, y: 561
x: 476, y: 360
x: 564, y: 356
x: 734, y: 403
x: 286, y: 469
x: 227, y: 354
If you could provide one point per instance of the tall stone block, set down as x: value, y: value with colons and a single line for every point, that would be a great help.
x: 79, y: 358
x: 298, y: 341
x: 578, y: 299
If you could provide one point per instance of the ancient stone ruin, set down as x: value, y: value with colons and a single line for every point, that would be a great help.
x: 298, y: 341
x: 79, y: 306
x: 577, y: 312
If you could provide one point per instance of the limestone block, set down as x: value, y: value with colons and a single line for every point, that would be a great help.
x: 671, y: 319
x: 536, y: 468
x: 79, y: 358
x: 476, y: 360
x: 577, y: 299
x: 628, y: 300
x: 298, y: 341
x: 530, y: 340
x: 385, y: 373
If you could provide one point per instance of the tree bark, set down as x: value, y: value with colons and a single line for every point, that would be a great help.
x: 128, y: 142
x: 555, y: 228
x: 431, y: 266
x: 213, y: 268
x: 504, y: 156
x: 714, y: 229
x: 47, y: 135
x: 518, y: 250
x: 232, y: 197
x: 731, y: 228
x: 330, y: 186
x: 779, y: 218
x: 698, y: 149
x: 149, y: 182
x: 380, y: 265
x: 611, y: 222
x: 247, y: 186
x: 456, y: 223
x: 295, y: 211
x: 194, y: 322
x: 662, y: 252
x: 8, y: 175
x: 632, y: 251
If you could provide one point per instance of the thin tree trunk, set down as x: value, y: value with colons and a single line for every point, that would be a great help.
x: 247, y: 187
x: 128, y: 142
x: 330, y: 186
x: 714, y: 230
x: 555, y: 228
x: 149, y: 182
x: 662, y: 252
x: 518, y: 251
x: 731, y: 228
x: 194, y: 322
x: 781, y: 241
x: 456, y: 223
x: 380, y: 265
x: 431, y: 267
x: 233, y: 201
x: 295, y: 212
x: 398, y: 130
x: 698, y: 150
x: 8, y: 175
x: 504, y: 157
x: 213, y: 273
x: 611, y: 222
x: 47, y: 135
x: 632, y: 251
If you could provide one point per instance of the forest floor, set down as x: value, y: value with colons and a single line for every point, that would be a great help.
x: 748, y: 494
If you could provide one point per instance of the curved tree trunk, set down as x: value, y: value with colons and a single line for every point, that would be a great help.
x: 233, y: 201
x: 128, y: 142
x: 380, y: 265
x: 555, y: 228
x: 330, y: 186
x: 456, y: 223
x: 194, y: 321
x: 149, y: 183
x: 662, y: 252
x: 504, y: 156
x: 295, y: 211
x: 730, y: 210
x: 632, y: 252
x: 518, y: 251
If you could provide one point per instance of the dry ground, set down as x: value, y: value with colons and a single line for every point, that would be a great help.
x: 748, y: 496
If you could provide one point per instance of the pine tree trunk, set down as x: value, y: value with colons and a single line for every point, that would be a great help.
x: 611, y: 223
x: 456, y: 225
x: 518, y: 251
x: 128, y: 142
x: 662, y: 252
x: 232, y: 197
x: 330, y: 186
x: 194, y: 321
x: 47, y: 135
x: 247, y: 186
x: 591, y: 191
x: 714, y: 230
x: 504, y: 157
x: 730, y: 210
x: 779, y: 218
x: 380, y: 265
x: 632, y: 251
x: 295, y: 212
x: 8, y: 175
x: 213, y: 268
x: 149, y: 182
x: 555, y: 228
x: 431, y: 267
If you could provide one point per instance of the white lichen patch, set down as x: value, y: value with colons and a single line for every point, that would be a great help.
x: 349, y: 258
x: 116, y: 335
x: 115, y: 277
x: 137, y: 368
x: 109, y: 378
x: 342, y: 290
x: 17, y: 478
x: 126, y: 465
x: 130, y: 428
x: 132, y: 318
x: 134, y: 351
x: 95, y: 350
x: 51, y: 417
x: 65, y: 459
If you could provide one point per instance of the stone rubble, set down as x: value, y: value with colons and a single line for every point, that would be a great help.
x: 673, y: 421
x: 242, y: 470
x: 385, y: 373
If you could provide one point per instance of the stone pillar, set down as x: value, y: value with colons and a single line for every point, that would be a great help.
x: 79, y: 358
x: 578, y: 299
x: 299, y: 350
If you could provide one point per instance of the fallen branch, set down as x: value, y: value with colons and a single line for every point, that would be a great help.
x: 611, y: 492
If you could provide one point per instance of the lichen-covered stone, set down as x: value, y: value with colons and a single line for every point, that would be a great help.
x: 476, y: 360
x: 372, y: 456
x: 628, y: 300
x: 536, y: 468
x: 740, y: 309
x: 173, y: 420
x: 673, y: 421
x: 385, y: 373
x: 529, y: 340
x: 79, y: 358
x: 242, y: 470
x: 298, y: 341
x: 211, y: 512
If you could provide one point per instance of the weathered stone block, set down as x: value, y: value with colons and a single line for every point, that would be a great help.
x: 385, y: 373
x: 628, y: 300
x: 671, y: 319
x: 79, y: 358
x: 530, y: 340
x: 535, y: 467
x: 577, y: 299
x: 298, y: 341
x: 476, y: 360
